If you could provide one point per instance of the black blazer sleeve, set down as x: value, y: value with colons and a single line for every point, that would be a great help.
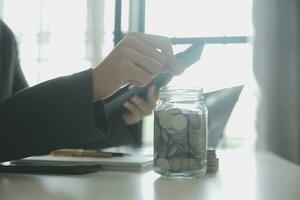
x: 52, y: 115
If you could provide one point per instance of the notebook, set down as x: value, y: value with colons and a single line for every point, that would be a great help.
x: 125, y: 162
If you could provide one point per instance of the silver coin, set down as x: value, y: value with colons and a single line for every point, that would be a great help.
x: 193, y: 164
x: 163, y: 164
x: 172, y: 151
x: 179, y: 136
x: 195, y: 120
x: 162, y: 150
x: 156, y: 130
x: 195, y: 141
x: 171, y: 131
x: 179, y: 122
x: 196, y: 152
x: 184, y: 164
x: 182, y: 132
x: 171, y: 141
x: 195, y: 144
x: 164, y: 135
x: 211, y: 153
x: 194, y: 130
x: 186, y: 148
x: 180, y: 139
x: 175, y: 164
x: 180, y: 148
x: 175, y: 111
x: 165, y: 119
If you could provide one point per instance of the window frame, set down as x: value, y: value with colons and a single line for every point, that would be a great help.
x: 137, y: 9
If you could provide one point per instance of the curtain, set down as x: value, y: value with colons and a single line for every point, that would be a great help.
x: 277, y: 70
x: 57, y: 37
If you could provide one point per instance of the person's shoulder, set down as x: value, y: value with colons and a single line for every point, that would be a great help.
x: 4, y: 26
x: 6, y: 34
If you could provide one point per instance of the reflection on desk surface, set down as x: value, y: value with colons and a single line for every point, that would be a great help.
x: 242, y: 175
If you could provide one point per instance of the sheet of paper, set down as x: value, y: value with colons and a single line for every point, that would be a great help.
x: 115, y: 162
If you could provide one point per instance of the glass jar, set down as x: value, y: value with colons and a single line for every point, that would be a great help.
x: 180, y: 133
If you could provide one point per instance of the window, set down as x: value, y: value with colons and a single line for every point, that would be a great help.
x: 220, y: 65
x: 51, y: 36
x: 58, y: 38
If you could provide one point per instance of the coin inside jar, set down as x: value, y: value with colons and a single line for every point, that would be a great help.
x: 165, y: 119
x: 179, y: 122
x: 179, y: 143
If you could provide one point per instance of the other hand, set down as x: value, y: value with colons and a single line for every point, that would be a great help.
x: 138, y: 107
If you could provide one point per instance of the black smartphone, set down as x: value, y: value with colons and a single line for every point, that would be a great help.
x: 185, y: 58
x: 59, y: 167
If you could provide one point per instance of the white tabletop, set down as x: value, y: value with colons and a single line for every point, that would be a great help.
x: 242, y: 175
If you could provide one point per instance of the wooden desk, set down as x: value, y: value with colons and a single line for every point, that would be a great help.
x: 242, y: 175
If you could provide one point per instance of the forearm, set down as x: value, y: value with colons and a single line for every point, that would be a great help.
x: 55, y: 114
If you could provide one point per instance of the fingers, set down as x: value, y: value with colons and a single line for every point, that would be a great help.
x: 144, y: 106
x: 134, y: 110
x: 144, y: 48
x: 138, y: 108
x: 152, y: 96
x: 162, y: 43
x: 136, y: 75
x: 148, y: 44
x: 134, y: 115
x: 145, y: 62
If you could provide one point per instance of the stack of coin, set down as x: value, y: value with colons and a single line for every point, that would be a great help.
x: 212, y: 162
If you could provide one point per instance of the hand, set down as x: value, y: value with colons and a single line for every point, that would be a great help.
x: 138, y: 107
x: 135, y: 60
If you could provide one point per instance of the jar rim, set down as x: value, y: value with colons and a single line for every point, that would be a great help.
x: 181, y: 88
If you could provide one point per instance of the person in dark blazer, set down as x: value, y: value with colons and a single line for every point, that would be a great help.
x: 69, y: 111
